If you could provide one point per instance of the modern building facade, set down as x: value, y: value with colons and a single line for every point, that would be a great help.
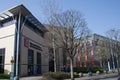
x: 22, y: 38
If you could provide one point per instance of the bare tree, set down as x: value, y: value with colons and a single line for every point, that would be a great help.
x: 69, y: 27
x: 114, y: 35
x: 102, y: 51
x: 73, y: 28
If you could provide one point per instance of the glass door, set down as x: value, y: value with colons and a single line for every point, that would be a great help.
x: 30, y: 62
x: 38, y: 63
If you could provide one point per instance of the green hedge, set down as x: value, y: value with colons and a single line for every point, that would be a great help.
x: 80, y: 69
x: 58, y: 75
x: 85, y: 69
x: 4, y: 76
x: 94, y: 69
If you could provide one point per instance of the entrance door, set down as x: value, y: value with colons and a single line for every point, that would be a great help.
x: 2, y: 57
x: 38, y: 63
x: 30, y: 62
x: 51, y: 65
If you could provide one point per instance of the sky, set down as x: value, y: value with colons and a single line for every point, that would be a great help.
x: 100, y: 15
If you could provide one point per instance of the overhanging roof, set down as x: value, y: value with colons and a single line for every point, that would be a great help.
x: 25, y: 12
x: 15, y: 11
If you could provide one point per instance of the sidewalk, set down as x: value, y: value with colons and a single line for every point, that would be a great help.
x: 101, y: 76
x: 28, y: 78
x: 31, y: 78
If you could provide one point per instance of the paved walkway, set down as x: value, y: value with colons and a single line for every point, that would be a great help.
x: 28, y: 78
x: 31, y: 78
x: 96, y: 77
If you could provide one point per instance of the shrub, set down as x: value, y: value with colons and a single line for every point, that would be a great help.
x: 85, y: 69
x: 4, y: 76
x: 58, y: 75
x: 80, y: 69
x: 95, y: 69
x: 47, y: 78
x: 76, y: 75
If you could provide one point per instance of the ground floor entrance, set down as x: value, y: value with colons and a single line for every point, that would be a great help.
x: 34, y: 68
x: 30, y: 62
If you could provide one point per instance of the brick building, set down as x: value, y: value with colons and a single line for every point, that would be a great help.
x: 87, y: 54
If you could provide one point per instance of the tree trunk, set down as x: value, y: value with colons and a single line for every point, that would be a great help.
x: 101, y: 64
x: 118, y: 66
x: 71, y: 69
x: 108, y: 65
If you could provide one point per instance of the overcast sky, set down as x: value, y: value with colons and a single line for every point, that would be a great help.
x: 101, y: 15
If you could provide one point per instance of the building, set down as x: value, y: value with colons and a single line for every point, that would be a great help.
x: 85, y: 56
x: 95, y: 50
x: 22, y: 39
x: 107, y: 49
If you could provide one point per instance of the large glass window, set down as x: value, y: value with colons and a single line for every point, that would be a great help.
x: 2, y: 58
x: 38, y: 63
x: 7, y: 22
x: 30, y: 62
x: 51, y: 61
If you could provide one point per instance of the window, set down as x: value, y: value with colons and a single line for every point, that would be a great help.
x: 2, y: 58
x: 38, y: 63
x: 34, y: 28
x: 30, y: 62
x: 7, y: 22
